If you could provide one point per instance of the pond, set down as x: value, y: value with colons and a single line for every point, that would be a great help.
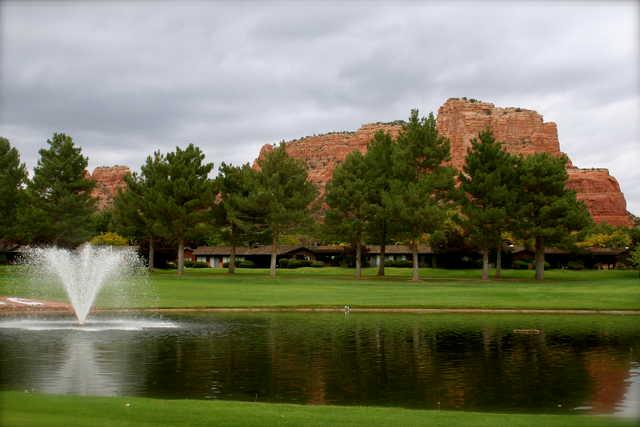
x: 520, y: 363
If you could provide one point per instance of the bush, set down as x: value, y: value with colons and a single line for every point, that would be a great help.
x: 245, y: 263
x: 575, y: 265
x: 317, y: 264
x: 295, y: 263
x: 3, y: 259
x: 109, y: 239
x: 399, y: 263
x: 195, y: 264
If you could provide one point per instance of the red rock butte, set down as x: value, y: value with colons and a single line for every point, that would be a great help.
x: 108, y: 180
x: 521, y: 131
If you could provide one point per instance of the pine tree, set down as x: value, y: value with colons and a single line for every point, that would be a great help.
x: 13, y: 176
x: 546, y: 210
x: 236, y: 211
x: 60, y: 205
x: 348, y: 199
x: 380, y: 225
x: 185, y: 195
x: 487, y: 183
x: 136, y: 208
x: 422, y: 186
x: 285, y: 193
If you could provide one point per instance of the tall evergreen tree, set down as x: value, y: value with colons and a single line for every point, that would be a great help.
x: 285, y: 193
x: 547, y: 211
x: 347, y: 197
x: 380, y: 224
x: 186, y: 194
x: 136, y: 208
x: 487, y: 183
x: 422, y: 186
x: 60, y: 205
x: 236, y: 211
x: 13, y: 176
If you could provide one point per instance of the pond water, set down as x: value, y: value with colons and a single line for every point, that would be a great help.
x: 553, y: 364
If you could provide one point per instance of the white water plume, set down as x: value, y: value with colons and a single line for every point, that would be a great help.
x: 85, y: 271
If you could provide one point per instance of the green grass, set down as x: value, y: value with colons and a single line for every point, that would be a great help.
x: 335, y: 287
x: 33, y: 410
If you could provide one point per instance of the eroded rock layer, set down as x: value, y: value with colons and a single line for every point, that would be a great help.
x: 108, y: 180
x: 521, y: 131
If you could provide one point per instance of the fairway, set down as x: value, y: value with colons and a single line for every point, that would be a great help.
x: 23, y: 409
x: 335, y: 287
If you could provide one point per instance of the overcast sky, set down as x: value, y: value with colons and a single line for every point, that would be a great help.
x: 125, y: 79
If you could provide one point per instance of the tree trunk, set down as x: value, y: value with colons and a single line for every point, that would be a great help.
x: 383, y: 249
x: 416, y: 274
x: 539, y: 259
x: 151, y: 254
x: 358, y: 260
x: 274, y: 256
x: 180, y: 257
x: 232, y: 259
x: 485, y: 264
x: 499, y: 261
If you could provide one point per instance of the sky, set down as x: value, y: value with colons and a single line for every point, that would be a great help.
x: 127, y: 78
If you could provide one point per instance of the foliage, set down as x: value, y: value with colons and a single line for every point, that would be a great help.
x: 284, y: 193
x: 422, y: 187
x: 404, y: 263
x: 347, y: 198
x: 378, y: 159
x: 487, y: 183
x: 13, y: 176
x: 545, y: 210
x: 109, y: 239
x: 295, y: 263
x: 60, y: 206
x: 236, y: 214
x: 195, y: 264
x: 185, y: 194
x: 575, y: 265
x: 635, y: 257
x: 606, y: 236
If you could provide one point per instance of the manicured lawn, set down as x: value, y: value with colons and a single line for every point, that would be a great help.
x: 32, y: 410
x: 335, y: 287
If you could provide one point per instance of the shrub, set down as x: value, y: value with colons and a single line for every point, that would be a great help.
x: 3, y: 259
x: 521, y: 264
x: 295, y: 263
x: 109, y: 239
x: 195, y: 264
x: 575, y: 265
x: 399, y: 263
x: 171, y: 265
x: 245, y: 263
x: 317, y: 264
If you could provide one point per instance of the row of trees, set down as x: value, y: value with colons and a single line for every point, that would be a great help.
x: 405, y: 191
x: 399, y: 191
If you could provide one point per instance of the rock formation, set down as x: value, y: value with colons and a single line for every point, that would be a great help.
x: 521, y: 131
x: 108, y: 180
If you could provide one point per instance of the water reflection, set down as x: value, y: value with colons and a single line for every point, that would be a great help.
x: 507, y: 363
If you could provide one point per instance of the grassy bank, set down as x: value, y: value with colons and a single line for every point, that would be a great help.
x: 22, y: 409
x: 335, y: 287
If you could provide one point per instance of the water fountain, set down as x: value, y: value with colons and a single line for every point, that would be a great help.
x: 83, y: 273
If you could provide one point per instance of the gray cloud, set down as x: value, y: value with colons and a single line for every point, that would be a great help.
x: 128, y: 78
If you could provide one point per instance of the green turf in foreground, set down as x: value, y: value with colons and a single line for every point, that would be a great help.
x: 335, y: 287
x: 34, y: 410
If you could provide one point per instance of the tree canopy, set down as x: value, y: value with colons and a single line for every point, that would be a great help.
x: 13, y: 176
x: 285, y: 193
x: 60, y: 205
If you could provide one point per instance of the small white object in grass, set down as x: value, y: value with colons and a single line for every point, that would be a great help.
x: 127, y: 404
x: 23, y: 301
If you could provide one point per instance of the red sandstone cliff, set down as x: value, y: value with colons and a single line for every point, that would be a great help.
x: 108, y: 180
x: 521, y: 131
